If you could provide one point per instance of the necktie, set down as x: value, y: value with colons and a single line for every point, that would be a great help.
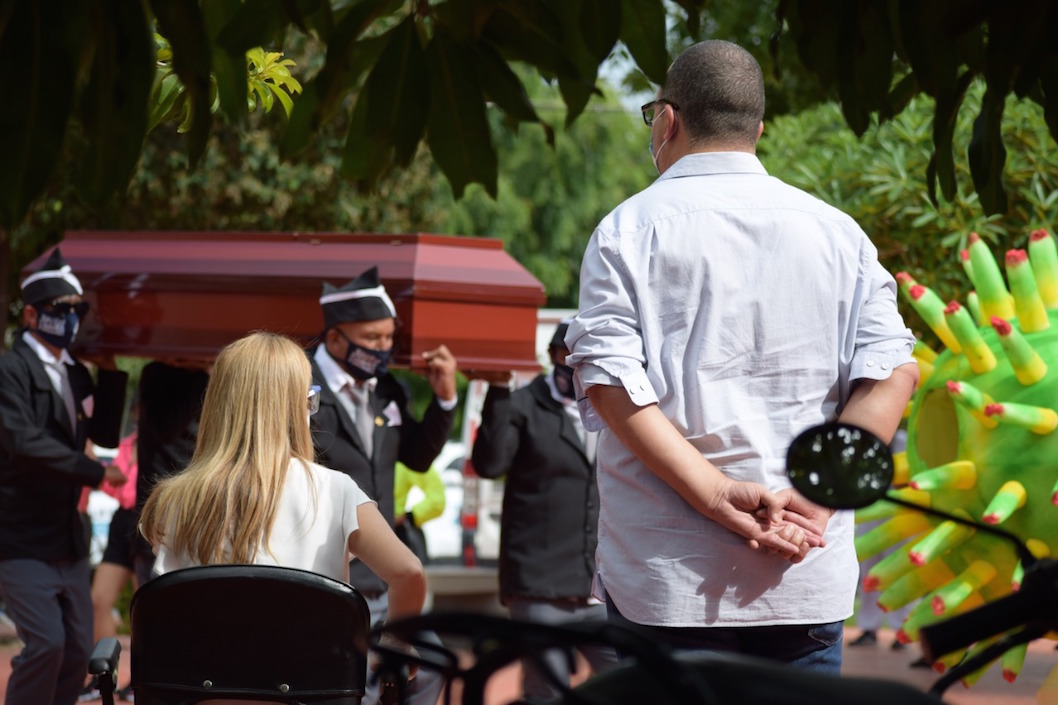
x: 67, y: 396
x: 365, y: 423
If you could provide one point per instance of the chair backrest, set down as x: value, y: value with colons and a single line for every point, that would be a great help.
x: 248, y: 632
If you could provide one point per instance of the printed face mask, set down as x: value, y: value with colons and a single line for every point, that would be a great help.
x: 564, y: 381
x: 58, y: 330
x: 364, y: 363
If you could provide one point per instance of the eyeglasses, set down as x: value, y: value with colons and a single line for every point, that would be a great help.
x: 62, y: 308
x: 649, y: 110
x: 314, y: 399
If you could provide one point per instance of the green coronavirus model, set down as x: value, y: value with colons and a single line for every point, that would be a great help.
x: 982, y: 443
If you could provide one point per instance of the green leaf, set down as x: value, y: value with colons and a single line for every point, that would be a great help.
x: 501, y: 85
x: 600, y: 23
x: 458, y: 132
x: 643, y: 30
x: 399, y: 92
x: 987, y: 155
x: 38, y: 53
x: 113, y: 107
x: 163, y: 99
x: 365, y: 158
x: 181, y: 22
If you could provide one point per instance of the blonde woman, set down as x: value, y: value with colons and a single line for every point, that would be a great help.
x: 252, y: 493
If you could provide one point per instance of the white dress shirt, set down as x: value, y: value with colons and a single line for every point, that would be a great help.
x: 745, y: 309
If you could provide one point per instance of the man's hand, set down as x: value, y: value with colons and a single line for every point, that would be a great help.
x: 806, y: 514
x: 113, y: 476
x: 441, y: 372
x: 750, y: 510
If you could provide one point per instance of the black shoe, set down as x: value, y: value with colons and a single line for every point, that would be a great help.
x: 897, y: 646
x: 89, y: 693
x: 868, y: 638
x: 920, y: 662
x: 125, y: 694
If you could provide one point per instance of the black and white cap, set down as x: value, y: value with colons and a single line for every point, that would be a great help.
x: 558, y: 340
x: 53, y: 280
x: 362, y: 299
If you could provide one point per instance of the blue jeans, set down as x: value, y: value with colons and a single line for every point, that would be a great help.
x: 808, y: 647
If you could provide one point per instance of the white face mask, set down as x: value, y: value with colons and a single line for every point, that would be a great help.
x: 653, y: 155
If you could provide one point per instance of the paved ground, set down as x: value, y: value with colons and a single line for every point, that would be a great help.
x: 876, y: 661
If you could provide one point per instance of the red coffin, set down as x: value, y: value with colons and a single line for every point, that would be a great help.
x: 181, y: 296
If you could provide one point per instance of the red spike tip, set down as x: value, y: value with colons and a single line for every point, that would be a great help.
x: 1002, y: 327
x: 870, y: 583
x: 993, y: 409
x: 973, y: 237
x: 964, y: 255
x: 904, y: 278
x: 916, y: 291
x: 990, y: 519
x: 953, y: 386
x: 917, y: 558
x: 1009, y: 676
x: 952, y: 307
x: 1039, y: 234
x: 1016, y: 256
x: 937, y: 605
x: 939, y: 667
x: 902, y: 636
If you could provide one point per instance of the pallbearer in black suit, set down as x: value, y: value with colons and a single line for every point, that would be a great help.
x: 364, y: 424
x: 49, y: 408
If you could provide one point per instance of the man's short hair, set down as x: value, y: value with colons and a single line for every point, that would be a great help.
x: 719, y: 88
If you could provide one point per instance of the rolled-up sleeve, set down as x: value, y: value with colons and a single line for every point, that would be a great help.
x: 605, y: 337
x: 883, y: 342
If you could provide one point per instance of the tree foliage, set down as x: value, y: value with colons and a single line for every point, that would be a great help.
x: 878, y: 54
x: 878, y: 179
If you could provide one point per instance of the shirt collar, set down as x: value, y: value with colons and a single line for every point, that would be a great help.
x: 43, y: 353
x: 705, y: 163
x: 333, y: 374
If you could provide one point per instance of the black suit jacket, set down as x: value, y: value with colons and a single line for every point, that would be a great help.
x: 550, y: 499
x: 414, y: 443
x: 43, y: 467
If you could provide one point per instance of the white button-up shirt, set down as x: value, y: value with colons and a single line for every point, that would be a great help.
x: 745, y: 309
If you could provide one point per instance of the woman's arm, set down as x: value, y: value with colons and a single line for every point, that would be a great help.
x: 379, y: 548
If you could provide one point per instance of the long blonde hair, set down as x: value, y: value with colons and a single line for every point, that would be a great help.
x: 222, y: 507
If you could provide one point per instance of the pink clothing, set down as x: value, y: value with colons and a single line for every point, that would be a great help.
x: 125, y: 461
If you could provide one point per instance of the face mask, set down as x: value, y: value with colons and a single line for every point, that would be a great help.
x: 653, y: 156
x: 564, y: 381
x: 364, y: 363
x: 58, y: 330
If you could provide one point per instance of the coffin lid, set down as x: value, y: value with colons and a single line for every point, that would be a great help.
x: 181, y: 296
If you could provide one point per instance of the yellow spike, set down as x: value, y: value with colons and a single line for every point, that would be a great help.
x: 1010, y: 498
x: 1044, y: 258
x: 1028, y: 366
x: 892, y: 532
x: 1032, y: 314
x: 929, y: 306
x: 901, y: 469
x: 973, y: 399
x: 1012, y: 662
x: 915, y: 584
x: 1037, y: 419
x: 1038, y: 548
x: 922, y: 351
x: 988, y: 281
x: 942, y: 539
x: 978, y: 354
x: 957, y: 475
x: 946, y: 598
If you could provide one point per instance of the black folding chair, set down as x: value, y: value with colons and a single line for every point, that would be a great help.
x: 243, y: 632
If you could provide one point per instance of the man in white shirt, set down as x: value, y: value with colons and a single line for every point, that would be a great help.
x: 721, y: 313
